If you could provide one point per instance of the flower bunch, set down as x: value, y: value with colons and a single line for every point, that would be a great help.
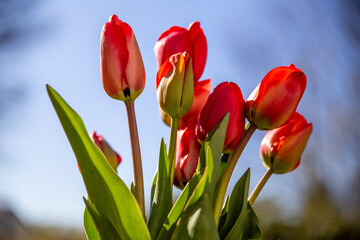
x: 208, y: 133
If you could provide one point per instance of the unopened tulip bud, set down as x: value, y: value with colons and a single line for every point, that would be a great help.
x: 201, y: 93
x: 187, y: 153
x: 226, y: 97
x: 112, y: 157
x: 175, y: 85
x: 121, y: 64
x: 281, y: 148
x: 274, y: 101
x: 178, y: 39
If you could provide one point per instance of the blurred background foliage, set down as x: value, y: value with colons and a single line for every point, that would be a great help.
x: 326, y: 45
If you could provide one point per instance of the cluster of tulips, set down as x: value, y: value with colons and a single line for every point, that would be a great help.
x: 208, y: 133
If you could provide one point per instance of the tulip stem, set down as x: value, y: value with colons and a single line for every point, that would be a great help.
x: 226, y: 175
x: 136, y: 155
x: 172, y: 147
x: 260, y: 186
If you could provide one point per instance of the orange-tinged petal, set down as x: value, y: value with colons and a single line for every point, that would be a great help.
x: 273, y: 103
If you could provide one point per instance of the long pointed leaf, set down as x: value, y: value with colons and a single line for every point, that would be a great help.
x: 175, y: 212
x: 246, y: 226
x: 237, y: 202
x: 162, y: 196
x: 216, y: 141
x: 197, y: 222
x: 89, y: 225
x: 105, y: 189
x: 103, y: 224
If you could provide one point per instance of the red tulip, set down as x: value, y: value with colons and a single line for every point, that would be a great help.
x: 282, y: 147
x: 121, y: 64
x: 178, y: 39
x: 274, y: 101
x: 226, y: 97
x: 113, y: 158
x: 201, y: 93
x: 187, y: 153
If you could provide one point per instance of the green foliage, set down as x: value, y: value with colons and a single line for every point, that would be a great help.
x: 162, y: 194
x: 203, y: 180
x: 237, y: 202
x: 216, y: 141
x: 102, y: 223
x: 176, y: 211
x: 89, y: 225
x: 241, y: 221
x: 112, y: 211
x: 197, y: 221
x: 224, y: 212
x: 105, y: 189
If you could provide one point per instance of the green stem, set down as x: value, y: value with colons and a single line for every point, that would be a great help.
x: 136, y: 155
x: 172, y: 147
x: 226, y: 175
x: 259, y: 186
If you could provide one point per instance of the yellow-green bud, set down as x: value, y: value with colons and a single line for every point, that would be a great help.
x: 175, y: 85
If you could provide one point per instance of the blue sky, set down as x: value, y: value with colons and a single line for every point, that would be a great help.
x: 39, y: 178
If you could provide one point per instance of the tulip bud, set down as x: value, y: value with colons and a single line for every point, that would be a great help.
x: 282, y: 147
x: 112, y: 157
x: 226, y: 97
x: 175, y: 85
x: 187, y: 153
x: 201, y: 93
x: 121, y: 64
x: 178, y: 39
x: 274, y: 101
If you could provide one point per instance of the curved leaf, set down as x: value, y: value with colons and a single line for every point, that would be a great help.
x: 237, y: 202
x: 197, y: 222
x: 105, y: 189
x: 246, y: 226
x: 216, y: 141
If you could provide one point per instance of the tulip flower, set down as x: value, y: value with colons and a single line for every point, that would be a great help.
x: 226, y: 97
x: 178, y: 39
x: 121, y: 64
x: 112, y: 157
x: 175, y: 85
x: 274, y: 101
x: 282, y: 147
x: 187, y: 153
x: 201, y: 93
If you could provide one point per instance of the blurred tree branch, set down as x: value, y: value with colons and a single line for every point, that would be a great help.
x: 17, y: 29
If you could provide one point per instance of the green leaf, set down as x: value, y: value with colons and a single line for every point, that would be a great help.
x: 241, y: 222
x: 224, y: 160
x: 251, y: 224
x: 224, y: 212
x: 105, y: 189
x: 132, y: 188
x: 162, y: 196
x: 216, y: 141
x: 203, y: 186
x: 153, y: 186
x: 237, y: 202
x: 89, y: 225
x: 177, y: 209
x: 197, y: 222
x: 246, y: 226
x: 103, y: 224
x: 205, y: 175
